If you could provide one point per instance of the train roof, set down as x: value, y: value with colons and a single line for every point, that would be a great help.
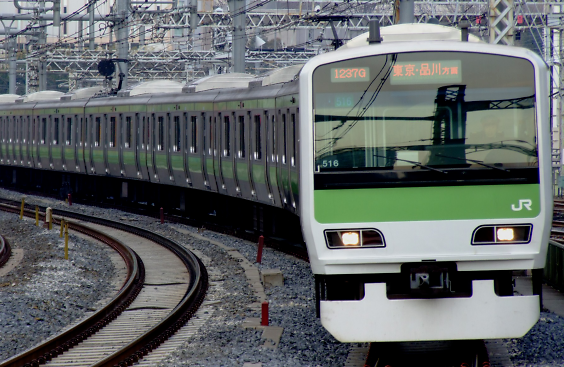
x: 46, y: 95
x: 153, y: 87
x: 416, y: 32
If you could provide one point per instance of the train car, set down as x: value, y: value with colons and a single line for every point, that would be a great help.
x: 425, y: 183
x: 419, y: 168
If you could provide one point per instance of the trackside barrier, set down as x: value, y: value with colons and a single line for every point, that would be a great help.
x: 554, y: 268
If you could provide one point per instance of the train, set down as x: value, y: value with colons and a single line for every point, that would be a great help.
x: 417, y: 164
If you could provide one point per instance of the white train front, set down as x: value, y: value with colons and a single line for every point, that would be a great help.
x: 425, y: 182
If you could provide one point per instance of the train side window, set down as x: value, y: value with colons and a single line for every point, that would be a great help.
x: 210, y: 132
x: 293, y: 158
x: 273, y: 139
x: 112, y: 131
x: 284, y: 139
x: 69, y: 139
x: 194, y: 130
x: 160, y: 129
x: 18, y: 129
x: 56, y: 131
x: 241, y: 152
x: 258, y: 147
x: 43, y: 130
x: 226, y: 136
x: 145, y: 134
x: 98, y: 135
x: 128, y: 132
x: 176, y: 146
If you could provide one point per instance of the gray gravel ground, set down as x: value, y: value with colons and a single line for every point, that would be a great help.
x: 223, y: 342
x: 45, y: 292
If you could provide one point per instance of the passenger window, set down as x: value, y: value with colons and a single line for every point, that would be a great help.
x: 176, y: 146
x: 241, y: 152
x: 112, y: 131
x: 284, y: 139
x: 194, y: 130
x: 273, y: 140
x: 258, y: 147
x: 226, y: 137
x: 43, y: 130
x: 160, y: 129
x: 98, y: 136
x: 69, y: 139
x: 56, y: 131
x: 128, y: 127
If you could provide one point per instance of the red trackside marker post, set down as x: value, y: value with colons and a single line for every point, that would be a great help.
x: 162, y: 215
x: 260, y: 246
x: 70, y: 199
x: 264, y: 314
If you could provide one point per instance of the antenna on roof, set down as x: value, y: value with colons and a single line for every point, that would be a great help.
x: 374, y: 32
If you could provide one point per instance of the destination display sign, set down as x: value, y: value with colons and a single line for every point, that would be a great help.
x: 426, y: 72
x: 354, y: 74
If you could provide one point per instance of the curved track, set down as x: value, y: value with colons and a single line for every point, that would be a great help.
x: 5, y: 250
x: 170, y: 286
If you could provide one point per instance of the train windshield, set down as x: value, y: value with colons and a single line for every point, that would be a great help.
x: 430, y: 111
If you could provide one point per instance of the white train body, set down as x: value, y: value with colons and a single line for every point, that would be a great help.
x: 412, y: 226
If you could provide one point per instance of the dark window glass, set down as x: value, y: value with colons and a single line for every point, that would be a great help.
x: 258, y: 147
x: 176, y: 147
x: 226, y: 136
x: 284, y: 138
x: 241, y: 137
x: 160, y: 126
x: 194, y: 130
x: 112, y: 131
x: 451, y: 110
x: 43, y: 130
x: 98, y: 136
x: 56, y: 131
x: 294, y: 140
x: 128, y: 132
x: 69, y: 139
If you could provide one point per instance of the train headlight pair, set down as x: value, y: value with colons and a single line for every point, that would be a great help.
x: 354, y: 238
x: 502, y: 234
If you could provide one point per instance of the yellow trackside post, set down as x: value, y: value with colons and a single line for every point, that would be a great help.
x: 66, y: 241
x: 22, y: 208
x: 36, y: 216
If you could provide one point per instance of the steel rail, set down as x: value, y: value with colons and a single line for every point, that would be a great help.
x: 5, y: 251
x: 185, y: 309
x: 64, y: 341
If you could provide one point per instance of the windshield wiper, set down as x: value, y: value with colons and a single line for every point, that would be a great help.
x: 473, y: 161
x: 414, y: 163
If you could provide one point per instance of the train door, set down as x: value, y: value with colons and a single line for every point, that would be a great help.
x: 2, y: 141
x: 70, y: 146
x: 273, y: 158
x: 45, y: 135
x: 20, y: 140
x: 152, y: 148
x: 87, y: 141
x: 208, y: 152
x: 225, y: 127
x: 98, y: 154
x: 283, y: 170
x: 142, y: 142
x: 258, y: 167
x: 128, y: 152
x: 294, y: 168
x: 111, y: 144
x: 242, y: 166
x: 27, y: 141
x: 12, y: 139
x: 185, y: 149
x: 176, y: 154
x: 169, y: 146
x: 195, y: 154
x: 79, y: 122
x: 160, y: 156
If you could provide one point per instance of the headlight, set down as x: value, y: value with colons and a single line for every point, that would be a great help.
x: 354, y: 238
x: 502, y: 234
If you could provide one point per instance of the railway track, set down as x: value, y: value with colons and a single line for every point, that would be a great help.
x: 5, y: 251
x: 160, y: 294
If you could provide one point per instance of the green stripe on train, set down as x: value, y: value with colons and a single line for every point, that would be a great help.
x: 425, y: 203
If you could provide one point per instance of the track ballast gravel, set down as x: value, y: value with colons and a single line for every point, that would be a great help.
x: 221, y: 341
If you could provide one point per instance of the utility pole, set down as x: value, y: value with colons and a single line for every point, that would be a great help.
x: 239, y: 38
x: 501, y: 21
x: 91, y: 34
x: 122, y: 39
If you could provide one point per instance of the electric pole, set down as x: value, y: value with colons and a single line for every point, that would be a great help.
x: 239, y: 39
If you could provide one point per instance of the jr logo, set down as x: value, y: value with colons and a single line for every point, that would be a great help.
x: 522, y: 203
